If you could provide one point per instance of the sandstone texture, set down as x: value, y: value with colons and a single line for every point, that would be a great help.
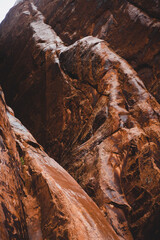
x: 84, y: 78
x: 131, y: 27
x: 39, y: 199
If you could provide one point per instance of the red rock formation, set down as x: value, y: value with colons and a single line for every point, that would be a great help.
x: 118, y: 148
x: 90, y: 110
x: 131, y: 27
x: 39, y: 199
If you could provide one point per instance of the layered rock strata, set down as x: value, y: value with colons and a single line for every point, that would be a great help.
x: 89, y: 109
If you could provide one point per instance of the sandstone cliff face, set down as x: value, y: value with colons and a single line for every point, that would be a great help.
x: 39, y: 199
x: 131, y: 27
x: 90, y: 111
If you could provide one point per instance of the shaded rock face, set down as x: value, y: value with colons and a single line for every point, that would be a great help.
x: 38, y: 198
x: 91, y: 112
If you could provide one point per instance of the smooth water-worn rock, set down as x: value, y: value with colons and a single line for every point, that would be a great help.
x: 39, y: 199
x: 131, y: 27
x: 91, y: 111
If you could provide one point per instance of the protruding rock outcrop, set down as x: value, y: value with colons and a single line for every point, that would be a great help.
x: 90, y: 110
x: 131, y: 27
x: 115, y: 156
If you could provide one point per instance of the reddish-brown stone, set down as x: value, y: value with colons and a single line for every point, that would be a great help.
x: 131, y: 27
x: 116, y: 153
x: 90, y: 111
x: 38, y: 198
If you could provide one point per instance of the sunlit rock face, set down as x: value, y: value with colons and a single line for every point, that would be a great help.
x: 97, y: 114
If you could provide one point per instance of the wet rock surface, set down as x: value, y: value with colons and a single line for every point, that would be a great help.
x: 118, y: 148
x: 39, y: 199
x: 132, y: 28
x: 90, y: 110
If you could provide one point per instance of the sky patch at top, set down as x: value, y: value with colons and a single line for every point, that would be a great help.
x: 5, y: 5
